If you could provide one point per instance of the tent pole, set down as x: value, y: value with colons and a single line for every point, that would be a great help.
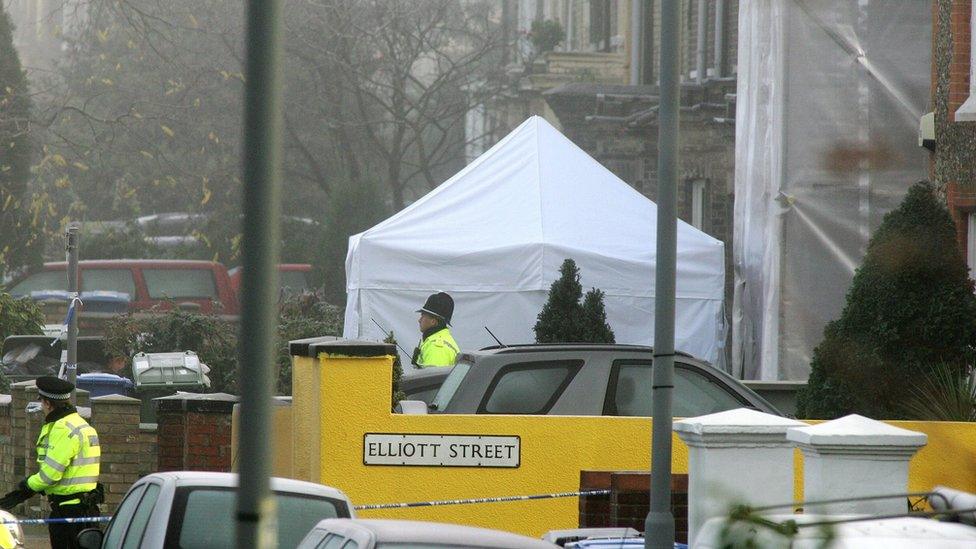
x: 659, y: 525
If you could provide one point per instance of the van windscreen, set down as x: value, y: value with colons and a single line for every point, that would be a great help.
x: 44, y: 280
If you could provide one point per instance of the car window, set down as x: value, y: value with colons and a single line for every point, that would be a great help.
x: 292, y: 280
x: 120, y: 521
x: 108, y: 280
x: 199, y: 517
x: 425, y: 394
x: 450, y: 385
x: 331, y: 541
x: 351, y: 544
x: 528, y: 387
x: 695, y: 394
x: 133, y: 538
x: 180, y: 283
x: 44, y: 280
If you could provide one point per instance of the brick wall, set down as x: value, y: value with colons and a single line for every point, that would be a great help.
x: 116, y: 418
x: 954, y: 160
x: 195, y: 432
x: 628, y: 502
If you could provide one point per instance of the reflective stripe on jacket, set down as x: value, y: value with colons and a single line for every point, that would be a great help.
x: 68, y: 457
x: 438, y: 349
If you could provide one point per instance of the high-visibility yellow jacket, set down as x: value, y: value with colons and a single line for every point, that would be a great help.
x: 68, y: 458
x: 438, y: 349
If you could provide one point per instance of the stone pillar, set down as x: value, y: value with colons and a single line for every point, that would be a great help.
x: 306, y: 387
x: 735, y: 457
x: 194, y: 431
x: 116, y: 418
x: 852, y: 457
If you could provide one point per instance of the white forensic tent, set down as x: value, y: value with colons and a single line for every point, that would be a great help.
x: 495, y: 234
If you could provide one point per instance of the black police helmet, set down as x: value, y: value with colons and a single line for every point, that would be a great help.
x: 440, y: 305
x: 53, y: 388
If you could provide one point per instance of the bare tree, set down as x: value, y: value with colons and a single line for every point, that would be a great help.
x: 400, y: 78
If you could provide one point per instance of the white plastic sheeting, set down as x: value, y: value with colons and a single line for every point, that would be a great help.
x: 495, y: 235
x: 829, y: 95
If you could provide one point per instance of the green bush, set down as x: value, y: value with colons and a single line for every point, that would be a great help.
x: 910, y: 308
x: 564, y: 320
x: 214, y: 340
x: 302, y: 316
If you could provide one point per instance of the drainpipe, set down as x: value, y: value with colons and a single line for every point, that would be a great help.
x: 636, y: 40
x: 700, y: 57
x: 719, y: 37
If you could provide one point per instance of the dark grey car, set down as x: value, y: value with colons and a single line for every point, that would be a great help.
x: 583, y: 379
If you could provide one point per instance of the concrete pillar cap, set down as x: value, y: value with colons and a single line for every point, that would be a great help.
x: 739, y: 426
x: 855, y: 431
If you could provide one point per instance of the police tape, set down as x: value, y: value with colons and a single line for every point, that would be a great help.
x: 499, y: 499
x: 370, y: 507
x: 67, y: 520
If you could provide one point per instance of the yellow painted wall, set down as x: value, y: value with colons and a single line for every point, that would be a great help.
x: 354, y: 397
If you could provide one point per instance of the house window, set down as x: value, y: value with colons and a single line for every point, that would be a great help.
x: 603, y: 25
x: 967, y: 112
x: 698, y: 196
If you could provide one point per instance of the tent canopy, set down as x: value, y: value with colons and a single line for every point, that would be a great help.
x: 495, y: 235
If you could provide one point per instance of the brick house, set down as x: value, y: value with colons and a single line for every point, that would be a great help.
x: 954, y: 98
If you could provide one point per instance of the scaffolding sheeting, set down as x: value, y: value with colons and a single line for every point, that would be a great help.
x: 828, y: 101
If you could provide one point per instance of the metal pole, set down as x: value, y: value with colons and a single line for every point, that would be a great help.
x: 71, y: 361
x: 659, y: 525
x: 71, y: 251
x: 256, y: 514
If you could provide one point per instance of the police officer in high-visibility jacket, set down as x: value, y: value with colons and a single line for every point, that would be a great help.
x: 68, y: 457
x: 437, y: 347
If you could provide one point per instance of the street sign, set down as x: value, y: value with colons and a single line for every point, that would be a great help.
x: 422, y: 450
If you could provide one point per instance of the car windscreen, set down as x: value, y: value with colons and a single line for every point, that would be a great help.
x: 44, y: 280
x: 180, y: 283
x: 202, y: 517
x: 450, y: 385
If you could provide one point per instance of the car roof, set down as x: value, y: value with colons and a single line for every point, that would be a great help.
x: 229, y: 480
x: 552, y: 347
x: 401, y: 531
x: 123, y: 263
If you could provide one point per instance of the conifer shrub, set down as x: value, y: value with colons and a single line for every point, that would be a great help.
x: 910, y: 310
x: 564, y: 319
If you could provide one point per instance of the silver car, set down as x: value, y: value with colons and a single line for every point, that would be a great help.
x: 409, y: 534
x: 584, y: 379
x: 196, y: 510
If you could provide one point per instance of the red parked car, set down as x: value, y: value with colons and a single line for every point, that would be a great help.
x: 292, y: 277
x: 202, y: 286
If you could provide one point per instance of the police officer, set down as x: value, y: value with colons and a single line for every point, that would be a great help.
x: 68, y: 464
x: 437, y: 347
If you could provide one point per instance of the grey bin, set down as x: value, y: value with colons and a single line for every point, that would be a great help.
x: 163, y: 374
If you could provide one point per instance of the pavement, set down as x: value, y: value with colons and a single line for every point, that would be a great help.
x: 35, y: 537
